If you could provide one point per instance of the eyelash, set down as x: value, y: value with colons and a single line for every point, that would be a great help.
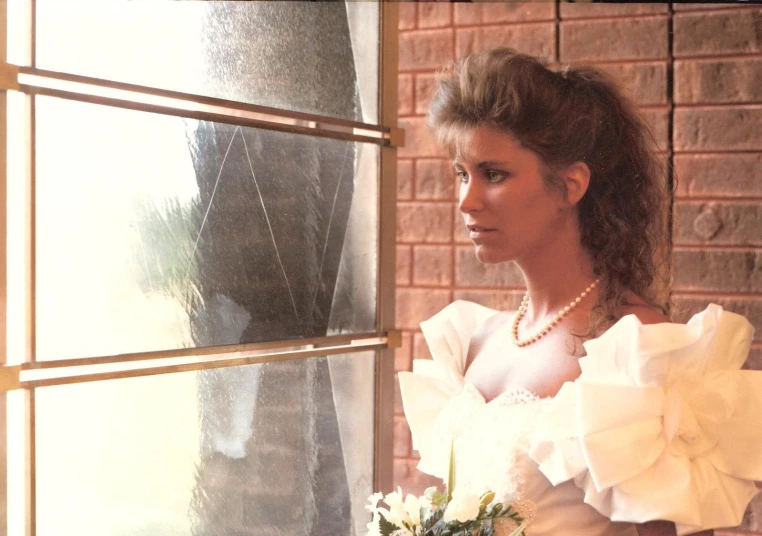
x: 492, y: 176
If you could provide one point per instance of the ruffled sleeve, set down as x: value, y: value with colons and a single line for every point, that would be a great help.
x: 661, y: 424
x: 433, y: 382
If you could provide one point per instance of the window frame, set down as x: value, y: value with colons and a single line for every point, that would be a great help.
x: 21, y: 374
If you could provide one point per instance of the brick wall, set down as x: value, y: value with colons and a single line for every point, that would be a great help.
x: 701, y: 92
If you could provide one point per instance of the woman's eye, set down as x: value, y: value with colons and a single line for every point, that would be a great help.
x: 461, y: 175
x: 496, y: 176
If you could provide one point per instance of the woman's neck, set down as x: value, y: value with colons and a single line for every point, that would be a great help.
x: 555, y: 276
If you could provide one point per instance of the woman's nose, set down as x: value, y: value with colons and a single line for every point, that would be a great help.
x: 470, y: 198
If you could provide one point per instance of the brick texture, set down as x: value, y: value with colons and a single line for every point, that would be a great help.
x: 718, y: 223
x: 636, y: 39
x: 718, y: 33
x: 719, y: 175
x: 404, y: 179
x: 535, y: 39
x: 405, y: 94
x: 496, y: 13
x: 434, y: 179
x: 424, y: 49
x: 579, y: 11
x: 718, y: 81
x: 701, y: 94
x: 733, y: 128
x: 719, y: 270
x: 645, y: 82
x: 432, y: 265
x: 434, y: 15
x: 423, y: 222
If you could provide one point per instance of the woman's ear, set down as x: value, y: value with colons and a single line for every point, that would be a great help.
x: 576, y: 179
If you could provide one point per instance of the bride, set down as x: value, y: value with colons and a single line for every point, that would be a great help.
x: 648, y: 429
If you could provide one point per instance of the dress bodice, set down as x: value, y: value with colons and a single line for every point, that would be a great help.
x: 641, y: 435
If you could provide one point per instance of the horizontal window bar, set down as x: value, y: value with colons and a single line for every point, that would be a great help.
x: 47, y: 373
x: 142, y: 98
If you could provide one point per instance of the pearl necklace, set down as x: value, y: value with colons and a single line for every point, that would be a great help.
x: 556, y: 319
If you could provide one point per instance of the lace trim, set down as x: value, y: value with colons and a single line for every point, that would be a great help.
x: 486, y: 437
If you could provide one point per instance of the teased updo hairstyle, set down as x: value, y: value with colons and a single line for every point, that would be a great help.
x: 577, y: 114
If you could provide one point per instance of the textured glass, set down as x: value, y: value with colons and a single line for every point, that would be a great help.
x: 312, y: 57
x: 155, y: 232
x: 279, y: 449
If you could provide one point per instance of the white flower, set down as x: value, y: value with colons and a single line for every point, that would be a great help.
x: 463, y: 507
x: 374, y: 529
x: 374, y: 500
x: 396, y: 514
x: 413, y: 507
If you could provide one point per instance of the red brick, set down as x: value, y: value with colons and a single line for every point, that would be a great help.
x: 623, y: 39
x: 411, y: 480
x: 402, y: 355
x: 434, y: 179
x: 677, y: 6
x: 493, y: 13
x: 724, y: 175
x: 425, y: 86
x: 416, y: 305
x: 424, y: 222
x: 658, y: 121
x: 718, y: 270
x: 584, y: 10
x: 750, y: 308
x: 402, y: 438
x: 434, y: 15
x: 469, y: 272
x: 405, y: 94
x: 407, y: 15
x: 646, y: 83
x: 420, y: 348
x: 432, y: 265
x: 418, y: 140
x: 404, y: 180
x: 717, y: 33
x: 718, y: 81
x: 460, y: 233
x: 501, y: 300
x: 718, y: 129
x: 404, y: 265
x: 536, y: 39
x: 718, y: 223
x: 424, y: 49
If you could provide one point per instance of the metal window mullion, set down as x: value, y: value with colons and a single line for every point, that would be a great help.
x: 384, y: 399
x: 148, y: 99
x: 218, y: 362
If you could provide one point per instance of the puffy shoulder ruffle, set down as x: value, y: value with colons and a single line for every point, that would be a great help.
x: 661, y: 424
x: 427, y: 389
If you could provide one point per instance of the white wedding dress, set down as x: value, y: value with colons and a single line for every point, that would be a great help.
x: 661, y: 424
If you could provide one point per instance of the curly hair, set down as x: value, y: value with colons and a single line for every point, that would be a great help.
x: 577, y: 114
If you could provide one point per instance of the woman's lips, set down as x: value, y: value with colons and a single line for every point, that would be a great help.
x: 476, y: 232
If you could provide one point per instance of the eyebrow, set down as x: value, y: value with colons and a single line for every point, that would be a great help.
x: 483, y: 165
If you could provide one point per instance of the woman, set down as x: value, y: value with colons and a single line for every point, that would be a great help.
x: 654, y: 431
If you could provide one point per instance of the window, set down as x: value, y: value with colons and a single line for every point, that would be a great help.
x: 199, y: 257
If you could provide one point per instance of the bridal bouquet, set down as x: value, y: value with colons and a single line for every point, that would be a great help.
x: 453, y: 513
x: 436, y: 514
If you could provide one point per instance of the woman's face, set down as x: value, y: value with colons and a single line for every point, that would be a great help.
x: 506, y: 205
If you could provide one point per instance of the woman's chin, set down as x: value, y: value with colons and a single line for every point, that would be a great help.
x: 490, y: 256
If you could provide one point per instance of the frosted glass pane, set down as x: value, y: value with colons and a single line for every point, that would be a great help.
x: 155, y: 232
x: 311, y: 57
x: 279, y: 449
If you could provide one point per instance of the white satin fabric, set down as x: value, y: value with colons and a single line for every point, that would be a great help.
x: 661, y: 424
